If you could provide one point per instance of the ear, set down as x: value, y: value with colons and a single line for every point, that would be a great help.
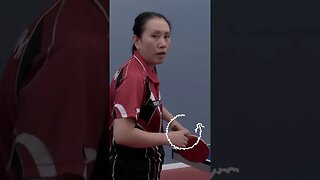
x: 136, y: 41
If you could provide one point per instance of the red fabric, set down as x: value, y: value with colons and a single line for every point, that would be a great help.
x: 63, y: 98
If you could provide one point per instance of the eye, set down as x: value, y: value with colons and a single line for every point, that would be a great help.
x: 155, y: 36
x: 167, y: 36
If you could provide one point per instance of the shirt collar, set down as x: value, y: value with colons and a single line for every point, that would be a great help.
x: 151, y: 72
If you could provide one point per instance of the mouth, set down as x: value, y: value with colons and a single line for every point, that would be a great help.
x: 161, y: 53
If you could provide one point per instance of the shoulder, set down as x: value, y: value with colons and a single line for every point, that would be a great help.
x: 132, y: 69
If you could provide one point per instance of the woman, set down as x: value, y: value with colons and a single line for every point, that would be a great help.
x: 137, y: 134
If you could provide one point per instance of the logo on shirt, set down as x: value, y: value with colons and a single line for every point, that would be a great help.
x: 156, y: 103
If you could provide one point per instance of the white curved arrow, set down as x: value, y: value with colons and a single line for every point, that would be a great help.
x: 198, y: 127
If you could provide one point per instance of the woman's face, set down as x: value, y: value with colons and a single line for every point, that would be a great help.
x: 154, y: 42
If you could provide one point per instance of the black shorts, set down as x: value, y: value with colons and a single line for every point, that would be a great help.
x: 124, y: 167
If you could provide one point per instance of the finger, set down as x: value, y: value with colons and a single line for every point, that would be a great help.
x: 186, y: 143
x: 190, y: 136
x: 185, y: 131
x: 186, y: 138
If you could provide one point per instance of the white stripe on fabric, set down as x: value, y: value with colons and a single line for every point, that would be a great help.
x: 127, y: 69
x: 39, y: 153
x: 123, y: 112
x: 24, y: 33
x: 140, y: 63
x: 155, y: 162
x: 35, y: 27
x: 149, y: 168
x: 114, y: 164
x: 137, y: 112
x: 111, y: 146
x: 22, y: 44
x: 115, y: 77
x: 152, y: 97
x: 146, y: 156
x: 90, y: 154
x: 102, y: 10
x: 160, y: 160
x: 160, y: 122
x: 54, y: 28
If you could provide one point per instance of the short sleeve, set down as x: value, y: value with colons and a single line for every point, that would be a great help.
x: 129, y: 97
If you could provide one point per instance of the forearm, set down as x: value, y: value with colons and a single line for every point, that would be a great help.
x: 167, y: 116
x: 125, y: 134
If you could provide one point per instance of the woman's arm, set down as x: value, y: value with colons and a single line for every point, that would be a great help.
x: 125, y: 133
x: 174, y: 125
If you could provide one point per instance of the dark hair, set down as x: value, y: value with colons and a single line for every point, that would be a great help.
x: 140, y: 22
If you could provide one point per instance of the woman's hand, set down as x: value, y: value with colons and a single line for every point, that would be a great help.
x: 176, y: 126
x: 179, y: 138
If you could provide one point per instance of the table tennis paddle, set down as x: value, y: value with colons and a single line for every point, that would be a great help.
x: 199, y: 153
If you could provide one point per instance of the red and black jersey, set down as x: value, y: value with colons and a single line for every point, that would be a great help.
x: 53, y: 91
x: 135, y: 88
x: 135, y: 95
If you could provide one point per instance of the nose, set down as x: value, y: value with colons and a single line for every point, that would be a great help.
x: 162, y: 43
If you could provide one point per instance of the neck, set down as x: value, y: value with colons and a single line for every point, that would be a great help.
x: 152, y: 66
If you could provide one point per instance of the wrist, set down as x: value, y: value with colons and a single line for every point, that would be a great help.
x: 172, y: 125
x: 166, y: 139
x: 175, y: 126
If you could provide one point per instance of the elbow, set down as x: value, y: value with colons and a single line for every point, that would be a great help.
x: 119, y: 138
x: 122, y: 132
